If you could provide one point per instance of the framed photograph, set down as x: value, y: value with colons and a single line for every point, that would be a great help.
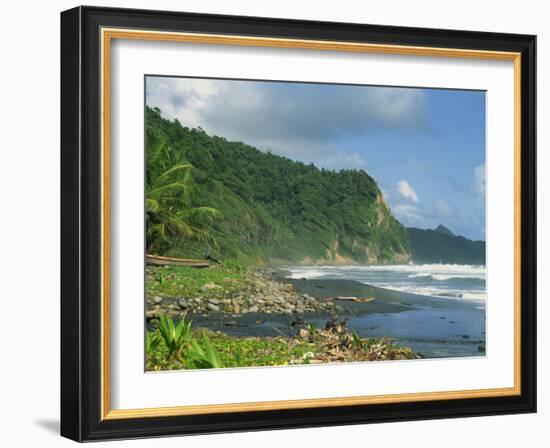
x: 273, y: 223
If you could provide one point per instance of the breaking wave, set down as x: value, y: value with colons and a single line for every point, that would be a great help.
x: 453, y: 281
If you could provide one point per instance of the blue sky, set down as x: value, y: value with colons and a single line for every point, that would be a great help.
x: 424, y: 147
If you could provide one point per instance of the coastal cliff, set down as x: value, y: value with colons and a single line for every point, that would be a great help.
x: 275, y: 210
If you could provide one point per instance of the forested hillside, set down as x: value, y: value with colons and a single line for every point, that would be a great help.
x: 441, y: 245
x: 209, y: 195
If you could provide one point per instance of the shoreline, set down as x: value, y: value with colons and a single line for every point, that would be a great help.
x: 268, y: 291
x: 257, y: 291
x: 270, y: 305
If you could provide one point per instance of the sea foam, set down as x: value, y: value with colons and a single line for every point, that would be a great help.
x: 454, y: 281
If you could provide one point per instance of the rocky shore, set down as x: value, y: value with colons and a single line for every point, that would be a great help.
x: 259, y: 292
x: 237, y: 303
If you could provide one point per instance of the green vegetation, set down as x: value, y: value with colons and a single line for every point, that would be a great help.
x: 181, y: 281
x: 177, y: 346
x: 174, y: 335
x: 173, y: 346
x: 441, y: 245
x: 230, y: 352
x: 208, y: 195
x: 171, y: 206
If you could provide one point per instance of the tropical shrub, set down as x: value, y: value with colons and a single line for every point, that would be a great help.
x: 173, y: 345
x: 171, y: 210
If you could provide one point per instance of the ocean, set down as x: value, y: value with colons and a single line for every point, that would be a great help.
x: 452, y: 281
x: 449, y: 300
x: 439, y: 310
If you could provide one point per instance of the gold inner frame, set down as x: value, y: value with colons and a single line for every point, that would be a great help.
x: 107, y: 35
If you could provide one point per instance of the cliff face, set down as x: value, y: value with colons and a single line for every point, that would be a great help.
x: 384, y: 242
x: 276, y: 210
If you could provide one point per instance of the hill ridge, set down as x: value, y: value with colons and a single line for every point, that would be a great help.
x: 278, y: 210
x: 441, y: 245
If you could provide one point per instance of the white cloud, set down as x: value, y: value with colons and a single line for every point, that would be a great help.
x: 408, y: 214
x: 300, y: 121
x: 479, y: 179
x: 394, y: 104
x: 405, y: 190
x: 340, y: 160
x: 479, y: 185
x: 444, y: 209
x: 181, y: 99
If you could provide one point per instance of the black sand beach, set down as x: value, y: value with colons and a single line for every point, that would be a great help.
x: 433, y: 327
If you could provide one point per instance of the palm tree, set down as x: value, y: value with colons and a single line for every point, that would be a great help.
x: 170, y: 209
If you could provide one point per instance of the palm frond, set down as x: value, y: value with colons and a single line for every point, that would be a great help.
x: 175, y: 169
x: 174, y: 186
x: 172, y: 197
x: 151, y: 205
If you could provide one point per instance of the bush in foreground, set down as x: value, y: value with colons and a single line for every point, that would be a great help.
x: 175, y: 346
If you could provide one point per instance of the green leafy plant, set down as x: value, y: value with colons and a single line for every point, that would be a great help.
x: 312, y: 328
x: 171, y: 211
x: 174, y: 346
x: 174, y: 335
x: 204, y: 356
x: 152, y: 341
x: 356, y: 340
x: 369, y: 343
x: 159, y: 277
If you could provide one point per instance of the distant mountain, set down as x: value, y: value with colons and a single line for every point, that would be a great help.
x: 444, y: 230
x: 441, y: 245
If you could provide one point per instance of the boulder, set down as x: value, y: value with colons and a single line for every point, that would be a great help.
x: 288, y: 288
x: 212, y: 307
x: 209, y: 287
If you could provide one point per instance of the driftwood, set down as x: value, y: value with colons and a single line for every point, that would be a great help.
x: 352, y: 299
x: 157, y: 260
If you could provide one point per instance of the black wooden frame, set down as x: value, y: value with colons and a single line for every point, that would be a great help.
x: 80, y: 224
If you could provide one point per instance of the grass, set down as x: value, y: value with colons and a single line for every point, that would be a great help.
x: 178, y: 346
x: 233, y: 352
x: 256, y: 351
x: 181, y: 281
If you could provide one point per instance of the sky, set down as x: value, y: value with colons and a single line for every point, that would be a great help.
x: 424, y: 147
